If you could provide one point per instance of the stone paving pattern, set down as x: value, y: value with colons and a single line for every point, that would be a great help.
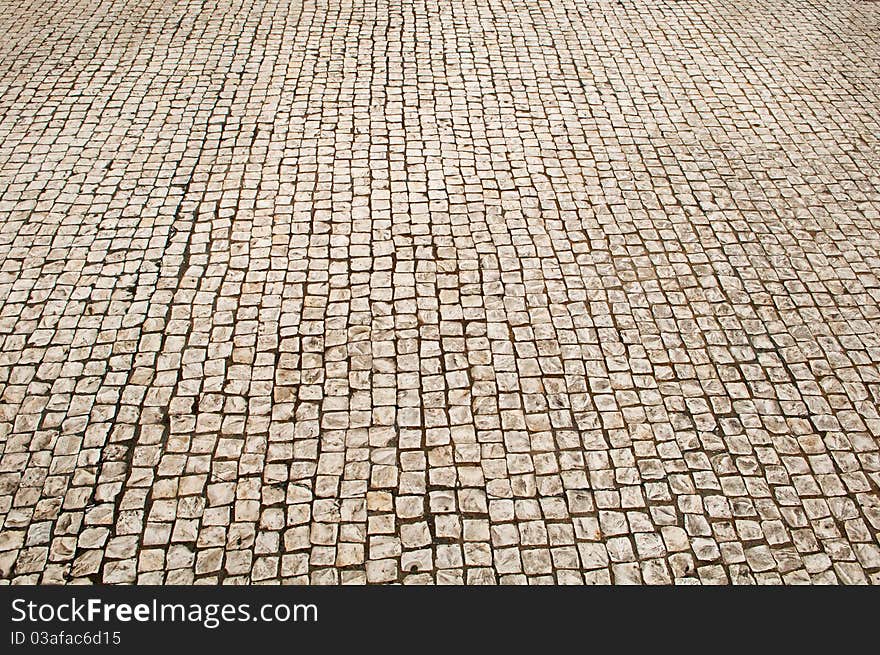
x: 439, y: 291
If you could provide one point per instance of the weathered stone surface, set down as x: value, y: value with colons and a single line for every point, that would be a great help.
x: 351, y: 292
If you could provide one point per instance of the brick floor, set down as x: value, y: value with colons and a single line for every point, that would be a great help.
x: 448, y: 291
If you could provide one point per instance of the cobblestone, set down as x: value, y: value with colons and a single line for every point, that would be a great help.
x: 469, y: 291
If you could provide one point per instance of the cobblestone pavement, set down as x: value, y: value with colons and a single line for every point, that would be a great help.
x: 447, y: 291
